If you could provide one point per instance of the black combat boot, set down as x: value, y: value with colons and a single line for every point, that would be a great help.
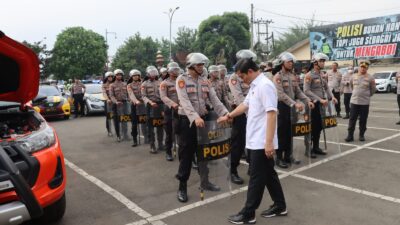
x: 153, y: 149
x: 347, y: 116
x: 182, y: 192
x: 361, y: 137
x: 280, y: 163
x: 134, y: 142
x: 350, y: 136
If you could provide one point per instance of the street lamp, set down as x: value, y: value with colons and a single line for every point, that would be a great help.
x: 115, y: 36
x: 170, y: 14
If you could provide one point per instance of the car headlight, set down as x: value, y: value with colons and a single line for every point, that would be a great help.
x: 38, y: 141
x: 93, y: 99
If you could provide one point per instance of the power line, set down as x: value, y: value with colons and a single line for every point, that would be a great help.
x: 295, y: 17
x: 357, y: 12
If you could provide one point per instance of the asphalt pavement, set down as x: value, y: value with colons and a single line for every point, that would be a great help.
x: 111, y: 183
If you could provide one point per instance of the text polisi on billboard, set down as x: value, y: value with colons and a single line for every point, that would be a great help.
x: 375, y: 38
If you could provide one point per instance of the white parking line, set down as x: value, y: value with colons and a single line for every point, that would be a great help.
x: 111, y: 191
x: 376, y: 128
x: 283, y: 175
x: 347, y: 188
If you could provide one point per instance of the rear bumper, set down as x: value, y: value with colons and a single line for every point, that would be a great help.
x: 13, y: 213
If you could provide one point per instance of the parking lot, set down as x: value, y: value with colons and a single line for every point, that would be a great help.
x: 112, y: 183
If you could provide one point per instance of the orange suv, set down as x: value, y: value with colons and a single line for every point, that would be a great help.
x: 32, y: 169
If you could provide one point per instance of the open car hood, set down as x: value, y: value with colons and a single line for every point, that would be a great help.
x: 19, y: 71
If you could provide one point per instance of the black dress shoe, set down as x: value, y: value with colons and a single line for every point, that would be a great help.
x: 398, y: 123
x: 153, y: 149
x: 280, y: 163
x: 242, y: 219
x: 361, y: 138
x: 210, y: 187
x: 319, y: 151
x: 236, y: 179
x: 292, y: 160
x: 274, y: 210
x: 346, y: 117
x: 339, y: 116
x: 134, y: 144
x: 182, y: 192
x: 169, y: 157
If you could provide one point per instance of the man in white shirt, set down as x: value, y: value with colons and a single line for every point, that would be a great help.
x: 261, y: 141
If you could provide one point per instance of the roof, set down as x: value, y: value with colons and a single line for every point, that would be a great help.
x: 298, y: 45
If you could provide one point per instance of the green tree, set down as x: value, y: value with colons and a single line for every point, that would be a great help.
x: 43, y: 54
x: 78, y: 52
x: 184, y: 44
x: 136, y: 53
x: 220, y: 37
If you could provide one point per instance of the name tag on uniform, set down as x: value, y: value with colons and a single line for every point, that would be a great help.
x: 172, y: 88
x: 150, y: 89
x: 317, y: 81
x: 191, y: 90
x: 204, y: 88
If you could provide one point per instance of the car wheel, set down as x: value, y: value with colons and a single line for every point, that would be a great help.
x: 389, y: 89
x: 53, y: 212
x: 66, y: 117
x: 86, y: 111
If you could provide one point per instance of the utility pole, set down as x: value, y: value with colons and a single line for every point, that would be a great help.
x: 252, y: 27
x: 170, y: 14
x: 266, y: 34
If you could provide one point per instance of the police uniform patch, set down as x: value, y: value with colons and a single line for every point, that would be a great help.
x: 278, y: 80
x: 181, y: 84
x: 234, y: 82
x: 308, y: 79
x: 142, y: 88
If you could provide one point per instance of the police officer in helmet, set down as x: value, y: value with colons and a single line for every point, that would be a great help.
x: 193, y: 91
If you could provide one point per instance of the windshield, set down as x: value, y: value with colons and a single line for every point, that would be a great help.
x: 48, y: 91
x: 93, y: 89
x: 381, y: 75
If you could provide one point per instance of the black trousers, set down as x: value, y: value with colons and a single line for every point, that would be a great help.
x: 187, y: 148
x: 346, y: 98
x: 238, y: 141
x: 117, y: 122
x: 355, y: 112
x: 316, y: 125
x: 78, y: 101
x: 170, y: 122
x: 262, y: 174
x: 106, y: 114
x: 134, y: 122
x: 398, y: 101
x: 284, y: 133
x: 337, y: 106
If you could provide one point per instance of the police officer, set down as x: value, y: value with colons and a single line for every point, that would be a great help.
x: 288, y: 93
x: 345, y: 89
x: 109, y: 78
x: 215, y: 82
x: 363, y: 85
x: 78, y: 91
x: 239, y: 90
x: 119, y: 96
x: 228, y: 99
x: 398, y: 92
x: 135, y: 96
x: 170, y: 98
x: 316, y: 88
x: 334, y: 80
x: 151, y: 97
x: 193, y: 91
x: 163, y: 73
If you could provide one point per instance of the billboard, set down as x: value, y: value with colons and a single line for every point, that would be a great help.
x: 375, y: 38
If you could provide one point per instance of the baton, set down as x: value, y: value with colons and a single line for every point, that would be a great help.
x: 323, y: 126
x: 173, y: 131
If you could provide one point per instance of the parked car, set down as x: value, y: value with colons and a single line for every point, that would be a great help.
x: 385, y: 81
x: 51, y: 103
x: 94, y: 100
x: 32, y: 169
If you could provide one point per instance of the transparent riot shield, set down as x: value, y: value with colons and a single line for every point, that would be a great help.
x: 212, y: 154
x: 330, y: 132
x: 109, y: 118
x: 301, y: 135
x: 156, y: 121
x: 142, y: 122
x: 124, y: 115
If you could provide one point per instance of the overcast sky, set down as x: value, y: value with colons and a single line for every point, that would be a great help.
x: 34, y: 20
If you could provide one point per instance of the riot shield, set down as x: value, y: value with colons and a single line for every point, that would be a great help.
x: 142, y: 122
x: 124, y: 116
x: 331, y: 136
x: 212, y: 150
x: 156, y: 115
x: 301, y: 133
x: 109, y: 118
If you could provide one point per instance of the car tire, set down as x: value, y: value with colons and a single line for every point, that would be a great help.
x: 66, y: 117
x: 86, y: 111
x: 53, y: 212
x: 389, y: 89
